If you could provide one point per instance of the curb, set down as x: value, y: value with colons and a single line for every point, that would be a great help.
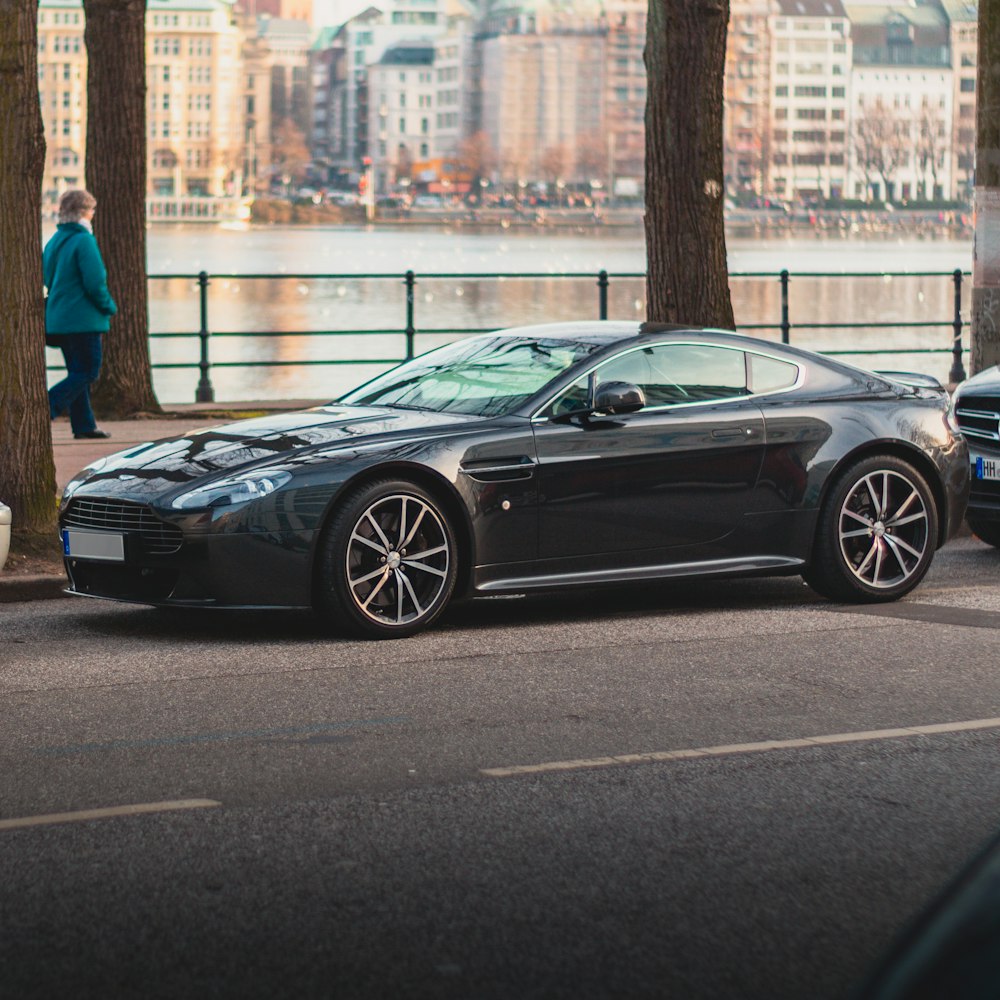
x: 33, y: 587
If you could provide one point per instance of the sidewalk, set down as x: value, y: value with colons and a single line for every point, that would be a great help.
x: 72, y: 455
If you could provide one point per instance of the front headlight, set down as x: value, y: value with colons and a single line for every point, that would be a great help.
x: 79, y: 479
x: 232, y: 490
x: 951, y: 418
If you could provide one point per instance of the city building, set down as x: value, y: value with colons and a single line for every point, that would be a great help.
x: 620, y: 166
x: 963, y: 21
x: 902, y: 100
x: 810, y: 72
x: 747, y: 128
x: 401, y: 92
x: 195, y: 121
x: 543, y: 105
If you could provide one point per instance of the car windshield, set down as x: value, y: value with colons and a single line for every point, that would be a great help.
x: 483, y: 376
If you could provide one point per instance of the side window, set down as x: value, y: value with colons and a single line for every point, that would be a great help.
x: 691, y: 373
x: 770, y: 374
x: 668, y: 374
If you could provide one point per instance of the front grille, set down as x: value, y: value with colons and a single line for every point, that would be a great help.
x: 158, y: 537
x: 979, y: 417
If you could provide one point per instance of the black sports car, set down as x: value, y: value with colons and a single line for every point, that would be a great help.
x: 977, y: 406
x: 539, y: 457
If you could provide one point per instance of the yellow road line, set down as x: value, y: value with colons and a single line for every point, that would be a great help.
x: 735, y: 748
x: 111, y: 811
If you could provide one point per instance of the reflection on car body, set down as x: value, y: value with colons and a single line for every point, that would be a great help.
x: 553, y: 456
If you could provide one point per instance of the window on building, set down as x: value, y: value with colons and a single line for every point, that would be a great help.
x: 968, y: 85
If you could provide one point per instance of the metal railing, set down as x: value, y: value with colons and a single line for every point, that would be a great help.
x: 205, y: 392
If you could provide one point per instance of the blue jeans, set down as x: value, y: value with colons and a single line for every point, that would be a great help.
x: 82, y: 352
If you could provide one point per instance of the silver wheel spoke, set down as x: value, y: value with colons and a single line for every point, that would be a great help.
x: 903, y: 544
x: 378, y: 531
x: 399, y: 598
x: 896, y: 523
x: 868, y: 558
x: 378, y: 586
x: 367, y: 576
x: 402, y: 524
x: 873, y: 494
x: 894, y: 547
x: 860, y: 533
x: 895, y: 518
x: 400, y: 575
x: 879, y: 556
x: 859, y: 517
x: 416, y: 524
x: 381, y: 550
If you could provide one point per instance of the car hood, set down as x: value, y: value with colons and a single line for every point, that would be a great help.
x: 156, y: 467
x: 986, y: 381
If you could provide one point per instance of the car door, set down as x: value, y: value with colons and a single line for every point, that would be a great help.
x: 678, y: 473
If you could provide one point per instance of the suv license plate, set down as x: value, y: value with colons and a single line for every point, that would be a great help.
x: 106, y: 545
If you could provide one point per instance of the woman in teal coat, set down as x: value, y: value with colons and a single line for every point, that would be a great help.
x: 77, y: 311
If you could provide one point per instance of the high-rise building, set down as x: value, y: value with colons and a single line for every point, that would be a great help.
x: 901, y: 103
x: 810, y: 65
x: 747, y: 128
x: 194, y: 112
x: 623, y: 128
x: 543, y: 101
x: 963, y: 21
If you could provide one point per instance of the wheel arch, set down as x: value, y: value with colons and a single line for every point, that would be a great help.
x: 908, y: 453
x: 437, y: 486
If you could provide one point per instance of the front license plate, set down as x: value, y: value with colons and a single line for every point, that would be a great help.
x: 105, y: 545
x: 985, y: 468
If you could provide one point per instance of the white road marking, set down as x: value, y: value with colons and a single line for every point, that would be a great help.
x: 734, y: 748
x: 88, y: 814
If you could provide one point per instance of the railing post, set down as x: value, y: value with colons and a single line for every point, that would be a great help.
x: 957, y: 373
x: 602, y: 294
x: 410, y: 282
x: 786, y: 327
x: 205, y: 392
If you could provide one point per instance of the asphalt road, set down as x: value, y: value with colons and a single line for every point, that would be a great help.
x: 442, y: 816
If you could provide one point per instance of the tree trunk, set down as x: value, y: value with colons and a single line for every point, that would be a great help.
x: 986, y: 252
x: 27, y: 472
x: 687, y: 274
x: 115, y: 35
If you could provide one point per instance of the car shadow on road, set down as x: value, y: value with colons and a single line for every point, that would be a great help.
x: 590, y: 604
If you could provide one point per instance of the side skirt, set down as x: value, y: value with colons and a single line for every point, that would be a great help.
x: 745, y: 566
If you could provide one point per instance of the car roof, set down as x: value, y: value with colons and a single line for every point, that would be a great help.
x: 608, y: 333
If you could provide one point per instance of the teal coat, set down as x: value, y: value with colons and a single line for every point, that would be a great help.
x: 79, y: 301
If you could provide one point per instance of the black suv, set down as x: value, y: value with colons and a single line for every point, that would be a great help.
x: 977, y: 407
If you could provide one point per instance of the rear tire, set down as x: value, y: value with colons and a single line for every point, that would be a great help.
x: 986, y: 531
x: 876, y: 534
x: 387, y: 561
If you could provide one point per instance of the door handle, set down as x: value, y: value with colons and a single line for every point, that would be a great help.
x: 730, y: 432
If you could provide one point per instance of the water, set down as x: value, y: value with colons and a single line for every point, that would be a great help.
x: 325, y: 312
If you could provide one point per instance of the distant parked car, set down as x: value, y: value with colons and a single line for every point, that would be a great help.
x: 977, y: 407
x: 538, y: 458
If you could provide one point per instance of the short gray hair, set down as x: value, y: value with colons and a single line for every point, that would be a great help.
x: 74, y: 203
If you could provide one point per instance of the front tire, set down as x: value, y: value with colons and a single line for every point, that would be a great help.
x: 876, y: 534
x: 986, y: 531
x: 388, y: 561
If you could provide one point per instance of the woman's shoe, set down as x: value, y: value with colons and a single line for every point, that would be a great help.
x: 95, y: 433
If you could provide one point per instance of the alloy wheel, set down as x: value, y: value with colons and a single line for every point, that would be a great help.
x: 884, y: 529
x: 398, y: 560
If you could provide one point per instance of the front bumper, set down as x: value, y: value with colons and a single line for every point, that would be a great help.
x: 238, y: 570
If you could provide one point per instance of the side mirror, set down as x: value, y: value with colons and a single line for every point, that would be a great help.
x: 618, y: 397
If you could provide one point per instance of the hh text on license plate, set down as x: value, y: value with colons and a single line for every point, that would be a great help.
x: 985, y: 468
